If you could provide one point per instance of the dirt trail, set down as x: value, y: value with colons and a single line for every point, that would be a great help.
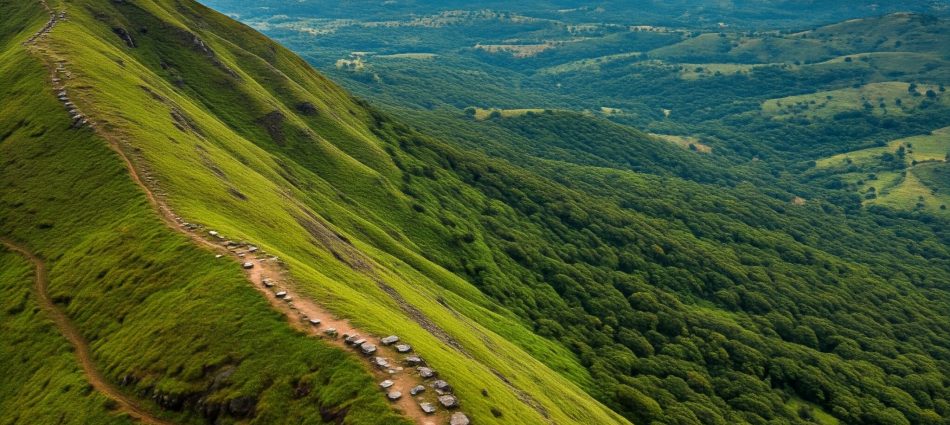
x: 297, y: 311
x: 75, y: 338
x: 300, y: 310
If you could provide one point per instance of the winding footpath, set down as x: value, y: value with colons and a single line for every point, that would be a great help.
x: 71, y: 333
x: 62, y: 322
x: 266, y: 275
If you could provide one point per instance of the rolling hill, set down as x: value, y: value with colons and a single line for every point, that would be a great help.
x: 198, y: 227
x: 708, y: 13
x: 221, y: 129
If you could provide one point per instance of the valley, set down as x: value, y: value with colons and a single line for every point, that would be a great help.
x: 549, y: 212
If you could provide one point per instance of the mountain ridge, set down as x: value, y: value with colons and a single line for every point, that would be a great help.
x: 110, y: 106
x: 551, y: 267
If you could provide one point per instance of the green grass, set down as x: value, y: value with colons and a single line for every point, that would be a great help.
x: 591, y: 65
x: 910, y: 193
x: 482, y: 114
x: 409, y: 56
x: 818, y: 415
x: 693, y: 71
x: 933, y: 147
x: 896, y: 189
x: 152, y: 305
x: 43, y: 382
x: 882, y: 99
x: 685, y: 142
x: 328, y: 164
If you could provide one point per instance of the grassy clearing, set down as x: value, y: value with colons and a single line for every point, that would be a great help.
x: 805, y: 410
x: 910, y: 193
x: 517, y: 50
x: 889, y: 98
x: 685, y: 142
x: 482, y: 114
x: 695, y: 71
x: 901, y: 189
x: 933, y: 147
x: 587, y: 65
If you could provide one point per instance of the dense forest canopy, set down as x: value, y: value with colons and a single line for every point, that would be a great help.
x: 679, y: 206
x: 687, y: 212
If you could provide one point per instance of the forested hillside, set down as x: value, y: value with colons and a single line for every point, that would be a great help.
x: 705, y: 13
x: 730, y: 221
x: 197, y: 225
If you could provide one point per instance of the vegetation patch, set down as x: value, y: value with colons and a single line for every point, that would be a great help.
x: 482, y: 114
x: 879, y: 99
x: 686, y: 142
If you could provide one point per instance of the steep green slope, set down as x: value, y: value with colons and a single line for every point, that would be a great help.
x: 689, y: 303
x: 43, y: 383
x: 585, y: 267
x: 159, y: 315
x: 235, y: 133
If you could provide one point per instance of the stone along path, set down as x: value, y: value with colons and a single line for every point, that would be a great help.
x: 404, y: 377
x: 66, y: 327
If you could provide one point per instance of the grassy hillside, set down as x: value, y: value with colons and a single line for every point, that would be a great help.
x: 44, y: 384
x: 182, y: 333
x: 905, y: 174
x: 236, y: 134
x: 553, y: 267
x: 880, y: 99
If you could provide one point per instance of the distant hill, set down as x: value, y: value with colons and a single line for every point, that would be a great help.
x: 746, y: 13
x: 198, y: 227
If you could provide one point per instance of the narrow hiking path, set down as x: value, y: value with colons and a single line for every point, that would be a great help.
x: 66, y: 327
x: 270, y: 280
x: 53, y: 19
x: 267, y: 274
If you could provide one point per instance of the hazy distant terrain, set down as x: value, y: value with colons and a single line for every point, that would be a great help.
x: 697, y: 213
x: 747, y: 13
